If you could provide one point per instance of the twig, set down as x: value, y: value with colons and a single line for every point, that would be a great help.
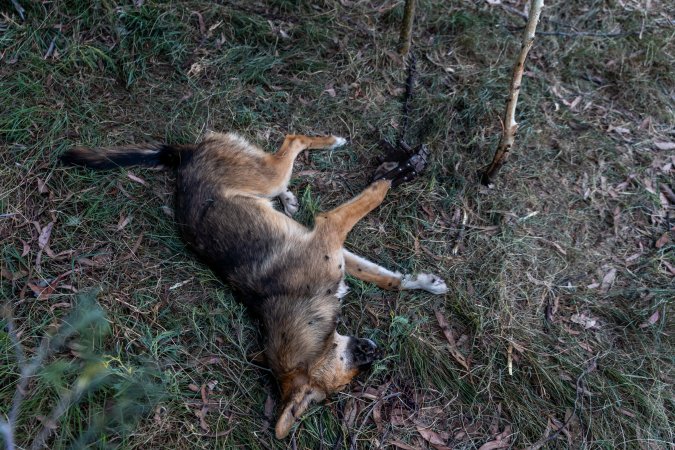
x: 19, y: 9
x: 409, y: 88
x: 29, y: 368
x: 592, y: 365
x: 406, y: 28
x: 510, y: 125
x: 587, y: 33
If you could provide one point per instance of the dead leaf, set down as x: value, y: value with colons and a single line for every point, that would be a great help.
x: 350, y: 412
x: 664, y: 145
x: 45, y: 233
x: 201, y: 414
x: 403, y: 445
x: 268, y: 409
x: 42, y: 186
x: 432, y: 437
x: 669, y: 267
x: 377, y: 416
x: 652, y: 320
x: 59, y: 305
x: 552, y: 309
x: 619, y: 130
x: 123, y: 222
x: 607, y: 281
x: 500, y: 441
x: 193, y: 387
x: 133, y: 177
x: 447, y: 331
x: 12, y: 276
x: 41, y: 292
x: 208, y: 360
x: 26, y: 248
x: 160, y: 411
x: 586, y: 347
x: 585, y: 321
x: 663, y: 240
x: 400, y: 417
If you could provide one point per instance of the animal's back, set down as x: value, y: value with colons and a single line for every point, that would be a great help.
x: 240, y: 235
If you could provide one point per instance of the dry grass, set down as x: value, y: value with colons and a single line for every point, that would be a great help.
x: 580, y: 200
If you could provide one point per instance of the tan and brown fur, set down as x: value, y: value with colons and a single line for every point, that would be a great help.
x: 288, y: 275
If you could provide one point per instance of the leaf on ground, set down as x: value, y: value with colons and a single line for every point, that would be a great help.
x: 123, y: 222
x: 45, y: 233
x: 12, y: 276
x: 42, y: 186
x: 433, y: 438
x: 403, y: 445
x: 652, y: 319
x: 449, y: 336
x: 552, y: 308
x: 500, y: 441
x: 664, y: 145
x: 400, y: 417
x: 201, y: 414
x: 44, y: 289
x: 669, y: 267
x: 193, y: 387
x: 377, y: 416
x: 26, y: 248
x: 160, y: 413
x: 663, y: 240
x: 585, y: 321
x: 59, y: 305
x: 607, y: 281
x: 351, y: 410
x: 133, y: 177
x: 618, y: 130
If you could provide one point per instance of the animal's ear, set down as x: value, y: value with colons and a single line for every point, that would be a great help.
x: 294, y: 407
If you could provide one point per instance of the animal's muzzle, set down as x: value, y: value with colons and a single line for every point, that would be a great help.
x: 364, y: 352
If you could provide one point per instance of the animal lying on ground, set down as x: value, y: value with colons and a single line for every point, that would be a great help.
x: 290, y: 276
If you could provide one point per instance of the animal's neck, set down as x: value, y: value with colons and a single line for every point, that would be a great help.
x: 298, y: 330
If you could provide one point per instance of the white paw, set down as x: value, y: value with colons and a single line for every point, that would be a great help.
x: 339, y: 142
x: 428, y: 282
x: 289, y: 202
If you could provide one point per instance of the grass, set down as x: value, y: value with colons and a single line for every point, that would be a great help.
x: 580, y: 197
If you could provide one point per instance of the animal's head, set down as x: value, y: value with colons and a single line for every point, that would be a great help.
x: 310, y: 359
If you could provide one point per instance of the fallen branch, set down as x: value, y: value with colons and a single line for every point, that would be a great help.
x: 454, y: 351
x: 406, y: 28
x: 510, y: 126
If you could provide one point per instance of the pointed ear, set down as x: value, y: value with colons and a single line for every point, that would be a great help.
x: 295, y: 407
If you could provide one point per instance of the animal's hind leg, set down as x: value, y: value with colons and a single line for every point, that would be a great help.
x: 335, y: 224
x: 365, y: 270
x: 284, y: 158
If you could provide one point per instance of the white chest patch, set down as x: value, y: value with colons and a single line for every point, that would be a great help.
x: 342, y: 289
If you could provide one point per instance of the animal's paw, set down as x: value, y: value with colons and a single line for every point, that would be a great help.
x: 290, y: 203
x: 339, y: 142
x: 404, y: 170
x: 428, y: 282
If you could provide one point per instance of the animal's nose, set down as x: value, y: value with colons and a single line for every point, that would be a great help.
x: 364, y: 353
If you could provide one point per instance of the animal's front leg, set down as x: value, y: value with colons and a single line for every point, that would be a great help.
x: 365, y: 270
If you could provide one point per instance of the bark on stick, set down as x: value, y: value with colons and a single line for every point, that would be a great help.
x: 510, y: 125
x: 406, y: 28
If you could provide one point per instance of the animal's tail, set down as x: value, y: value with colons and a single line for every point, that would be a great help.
x: 142, y: 154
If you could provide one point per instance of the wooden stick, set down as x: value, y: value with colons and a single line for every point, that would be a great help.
x: 406, y: 28
x: 510, y: 125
